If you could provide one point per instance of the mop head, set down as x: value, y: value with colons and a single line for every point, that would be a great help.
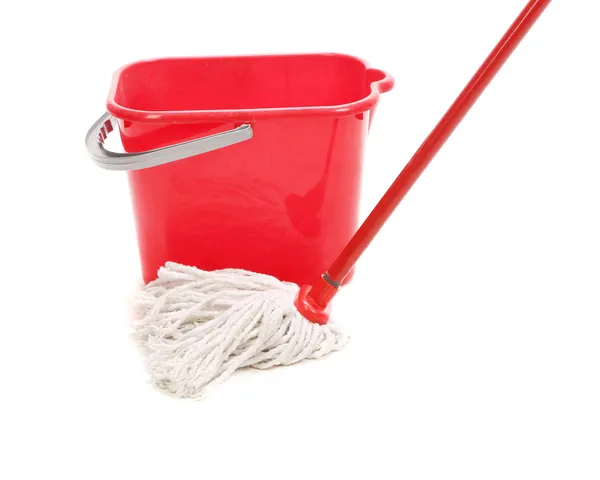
x: 198, y: 327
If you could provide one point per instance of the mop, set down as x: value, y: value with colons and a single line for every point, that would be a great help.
x: 198, y: 327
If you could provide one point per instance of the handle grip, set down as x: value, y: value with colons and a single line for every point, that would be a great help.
x: 97, y: 134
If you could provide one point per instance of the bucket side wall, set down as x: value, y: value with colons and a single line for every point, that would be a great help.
x: 283, y: 203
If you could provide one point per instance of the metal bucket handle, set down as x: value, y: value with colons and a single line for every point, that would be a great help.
x: 96, y: 135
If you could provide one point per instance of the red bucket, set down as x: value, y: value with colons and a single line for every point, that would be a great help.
x: 247, y: 162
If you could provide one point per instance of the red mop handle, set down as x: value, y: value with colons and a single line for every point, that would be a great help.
x: 318, y: 297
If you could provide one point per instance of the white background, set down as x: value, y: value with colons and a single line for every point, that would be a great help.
x: 475, y: 315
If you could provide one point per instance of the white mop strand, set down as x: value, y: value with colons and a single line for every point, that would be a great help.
x: 198, y: 327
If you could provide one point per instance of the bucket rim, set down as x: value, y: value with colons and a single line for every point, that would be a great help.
x: 380, y: 82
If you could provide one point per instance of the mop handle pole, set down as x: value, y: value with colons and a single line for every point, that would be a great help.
x: 323, y: 291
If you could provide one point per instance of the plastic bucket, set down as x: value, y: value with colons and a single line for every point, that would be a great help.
x: 262, y: 164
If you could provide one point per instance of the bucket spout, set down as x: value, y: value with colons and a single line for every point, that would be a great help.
x: 379, y: 81
x: 384, y: 82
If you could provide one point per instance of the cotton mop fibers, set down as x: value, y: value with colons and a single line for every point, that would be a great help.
x: 197, y: 327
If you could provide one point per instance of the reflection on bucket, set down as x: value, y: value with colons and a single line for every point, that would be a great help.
x: 303, y: 211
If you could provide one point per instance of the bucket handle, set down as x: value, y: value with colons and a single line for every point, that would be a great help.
x: 94, y: 141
